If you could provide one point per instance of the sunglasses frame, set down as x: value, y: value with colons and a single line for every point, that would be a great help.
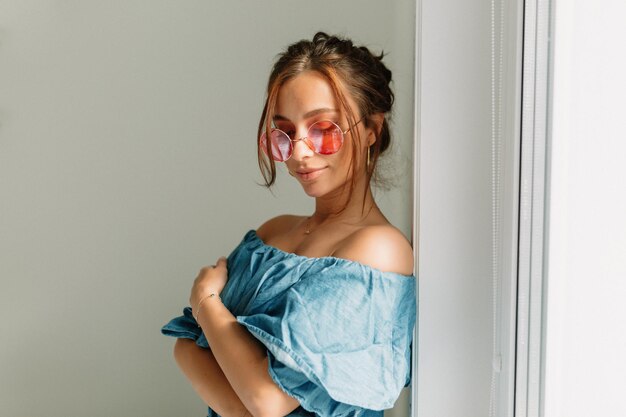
x: 304, y: 138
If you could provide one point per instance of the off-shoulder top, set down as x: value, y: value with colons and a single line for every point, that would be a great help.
x: 338, y: 332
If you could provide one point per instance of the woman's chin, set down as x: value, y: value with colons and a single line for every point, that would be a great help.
x: 318, y: 190
x: 312, y: 191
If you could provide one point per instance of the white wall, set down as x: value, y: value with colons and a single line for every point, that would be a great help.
x: 455, y: 207
x: 586, y: 319
x: 127, y: 162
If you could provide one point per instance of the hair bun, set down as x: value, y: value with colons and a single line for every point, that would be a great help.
x: 383, y: 68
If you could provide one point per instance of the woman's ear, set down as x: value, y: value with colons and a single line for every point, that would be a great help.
x: 377, y: 120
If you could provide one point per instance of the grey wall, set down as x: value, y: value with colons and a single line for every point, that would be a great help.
x: 127, y: 162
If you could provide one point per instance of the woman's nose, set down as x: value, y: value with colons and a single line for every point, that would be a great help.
x: 301, y: 149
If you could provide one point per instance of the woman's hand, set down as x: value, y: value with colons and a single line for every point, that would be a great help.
x: 211, y: 279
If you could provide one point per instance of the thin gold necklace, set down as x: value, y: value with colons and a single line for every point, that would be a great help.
x: 306, y: 229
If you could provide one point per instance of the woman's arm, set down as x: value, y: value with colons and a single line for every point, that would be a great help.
x: 208, y: 380
x: 243, y: 360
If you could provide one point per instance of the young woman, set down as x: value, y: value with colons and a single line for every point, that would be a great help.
x: 310, y: 315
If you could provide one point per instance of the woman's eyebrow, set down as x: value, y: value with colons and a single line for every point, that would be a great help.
x: 308, y: 114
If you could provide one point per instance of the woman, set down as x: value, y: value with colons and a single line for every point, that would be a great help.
x: 310, y: 315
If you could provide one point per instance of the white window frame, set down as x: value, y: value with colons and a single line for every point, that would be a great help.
x: 521, y: 315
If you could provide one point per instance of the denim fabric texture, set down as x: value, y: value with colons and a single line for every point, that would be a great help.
x: 338, y: 333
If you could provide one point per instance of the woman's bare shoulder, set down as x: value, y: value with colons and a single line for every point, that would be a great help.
x: 381, y: 246
x: 278, y: 225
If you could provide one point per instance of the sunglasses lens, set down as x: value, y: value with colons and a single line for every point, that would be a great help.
x: 281, y: 145
x: 326, y: 137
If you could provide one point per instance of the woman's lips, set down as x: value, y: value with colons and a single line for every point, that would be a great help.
x: 310, y: 174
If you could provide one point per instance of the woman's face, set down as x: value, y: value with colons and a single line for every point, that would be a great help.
x: 302, y: 101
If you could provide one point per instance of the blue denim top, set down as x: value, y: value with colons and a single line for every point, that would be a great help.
x: 338, y: 333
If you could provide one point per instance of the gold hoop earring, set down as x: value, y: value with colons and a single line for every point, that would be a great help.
x: 368, y: 157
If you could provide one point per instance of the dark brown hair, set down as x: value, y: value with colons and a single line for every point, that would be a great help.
x: 342, y: 64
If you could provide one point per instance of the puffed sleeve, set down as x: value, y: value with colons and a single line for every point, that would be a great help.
x: 185, y: 327
x: 338, y: 340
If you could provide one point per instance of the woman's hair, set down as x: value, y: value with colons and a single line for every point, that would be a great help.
x: 346, y: 67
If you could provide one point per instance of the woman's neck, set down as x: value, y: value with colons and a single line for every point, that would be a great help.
x: 327, y: 207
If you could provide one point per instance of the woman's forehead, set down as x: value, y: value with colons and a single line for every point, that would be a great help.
x: 306, y: 95
x: 309, y: 114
